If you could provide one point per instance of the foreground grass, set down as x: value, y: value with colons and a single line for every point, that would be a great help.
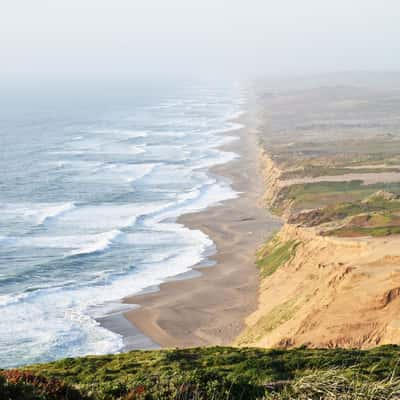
x: 333, y: 385
x: 222, y: 373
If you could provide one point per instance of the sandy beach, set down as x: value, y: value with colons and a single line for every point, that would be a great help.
x: 210, y: 308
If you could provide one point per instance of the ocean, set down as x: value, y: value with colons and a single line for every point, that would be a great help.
x: 92, y: 181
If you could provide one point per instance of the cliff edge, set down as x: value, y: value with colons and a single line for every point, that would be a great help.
x: 331, y: 276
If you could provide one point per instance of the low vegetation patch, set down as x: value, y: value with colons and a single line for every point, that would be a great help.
x: 307, y: 196
x: 315, y: 171
x: 23, y: 385
x: 267, y: 323
x: 274, y: 254
x: 352, y: 231
x: 335, y: 385
x: 377, y: 206
x: 377, y: 215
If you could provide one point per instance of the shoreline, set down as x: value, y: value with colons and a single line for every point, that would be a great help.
x: 208, y: 305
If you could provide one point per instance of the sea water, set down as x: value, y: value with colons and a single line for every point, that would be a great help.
x: 92, y: 181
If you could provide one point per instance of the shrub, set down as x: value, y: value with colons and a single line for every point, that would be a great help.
x: 23, y: 385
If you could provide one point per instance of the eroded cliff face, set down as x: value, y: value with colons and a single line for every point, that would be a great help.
x: 333, y: 292
x: 273, y: 184
x: 271, y: 174
x: 330, y: 292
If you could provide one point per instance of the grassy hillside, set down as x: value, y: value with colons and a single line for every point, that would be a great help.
x: 214, y: 373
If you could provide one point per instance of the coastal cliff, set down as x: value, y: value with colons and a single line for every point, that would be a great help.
x: 331, y: 292
x: 273, y: 185
x: 331, y: 276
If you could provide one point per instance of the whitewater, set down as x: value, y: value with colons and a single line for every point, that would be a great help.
x: 90, y: 193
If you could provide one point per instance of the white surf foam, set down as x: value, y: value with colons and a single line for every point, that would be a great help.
x: 6, y: 299
x: 123, y: 172
x: 59, y: 321
x: 99, y: 242
x: 104, y: 217
x: 236, y: 115
x: 53, y: 211
x: 74, y: 245
x: 122, y: 132
x: 73, y: 331
x: 36, y: 213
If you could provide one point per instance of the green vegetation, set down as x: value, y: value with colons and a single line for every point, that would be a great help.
x: 320, y: 194
x: 21, y: 385
x: 333, y: 385
x: 374, y: 204
x: 337, y: 197
x: 274, y: 254
x: 222, y: 373
x: 267, y: 323
x: 377, y: 215
x: 378, y: 231
x: 317, y: 170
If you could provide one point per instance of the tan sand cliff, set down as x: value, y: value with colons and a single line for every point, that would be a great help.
x: 271, y: 174
x: 332, y: 292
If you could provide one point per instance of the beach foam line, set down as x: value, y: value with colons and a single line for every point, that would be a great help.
x: 37, y: 213
x: 126, y: 172
x: 202, y: 196
x: 54, y: 211
x: 237, y: 114
x: 99, y: 242
x: 170, y: 133
x: 125, y: 132
x: 80, y: 244
x: 6, y: 299
x: 109, y: 148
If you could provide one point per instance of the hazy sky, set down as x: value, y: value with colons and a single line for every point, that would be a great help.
x: 79, y: 38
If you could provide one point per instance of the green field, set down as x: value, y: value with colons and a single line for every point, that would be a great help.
x: 315, y: 171
x: 322, y: 194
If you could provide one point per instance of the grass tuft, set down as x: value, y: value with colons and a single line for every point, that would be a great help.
x: 274, y: 254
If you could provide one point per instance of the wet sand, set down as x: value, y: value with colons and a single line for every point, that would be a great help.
x: 210, y: 309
